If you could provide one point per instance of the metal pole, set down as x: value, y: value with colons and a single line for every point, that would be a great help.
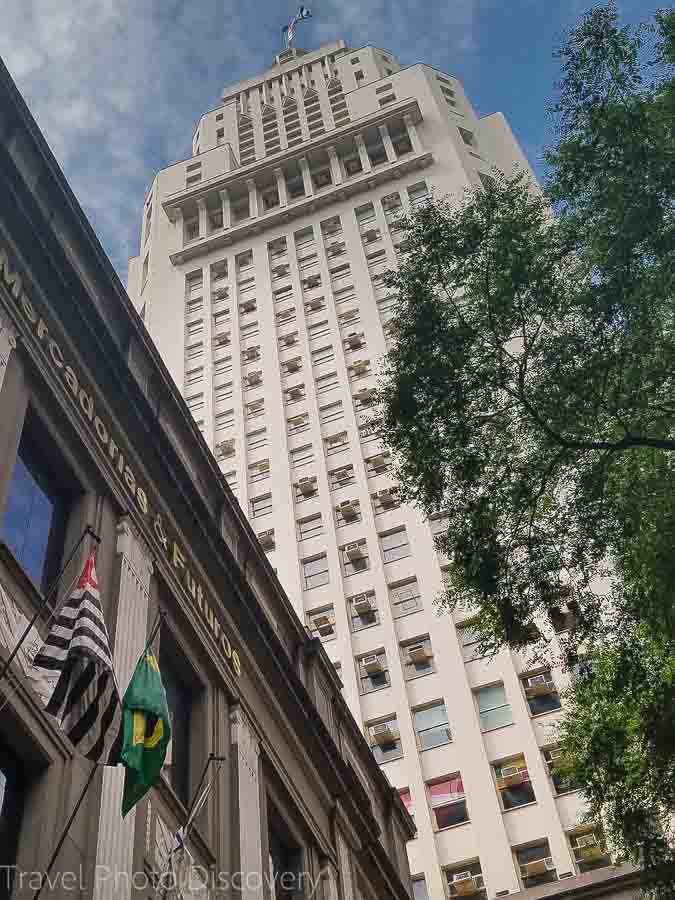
x: 64, y: 834
x: 87, y: 531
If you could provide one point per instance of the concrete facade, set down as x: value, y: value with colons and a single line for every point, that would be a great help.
x: 259, y: 279
x: 94, y: 432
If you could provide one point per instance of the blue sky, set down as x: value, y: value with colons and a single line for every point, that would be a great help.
x: 117, y: 85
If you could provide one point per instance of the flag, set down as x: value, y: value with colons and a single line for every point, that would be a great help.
x: 302, y: 13
x: 75, y: 668
x: 147, y: 730
x: 187, y: 880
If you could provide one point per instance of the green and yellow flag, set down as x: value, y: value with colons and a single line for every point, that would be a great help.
x: 147, y: 730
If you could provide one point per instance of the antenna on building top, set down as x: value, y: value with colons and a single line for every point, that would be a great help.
x: 288, y: 31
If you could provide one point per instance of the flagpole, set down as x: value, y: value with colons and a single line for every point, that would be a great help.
x: 65, y: 831
x: 88, y: 531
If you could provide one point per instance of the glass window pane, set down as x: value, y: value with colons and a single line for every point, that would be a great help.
x: 495, y: 717
x: 420, y: 889
x: 490, y: 697
x: 428, y: 718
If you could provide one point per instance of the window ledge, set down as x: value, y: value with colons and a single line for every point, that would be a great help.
x: 375, y: 690
x: 522, y: 806
x: 421, y: 675
x: 393, y: 759
x: 567, y: 793
x: 425, y: 749
x: 546, y: 713
x: 411, y: 613
x: 450, y: 827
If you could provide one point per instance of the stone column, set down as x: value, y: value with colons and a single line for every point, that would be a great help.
x: 252, y: 198
x: 225, y: 201
x: 281, y: 187
x: 363, y: 153
x: 306, y: 177
x: 335, y: 170
x: 346, y: 873
x: 246, y: 757
x: 330, y: 883
x: 388, y: 146
x: 7, y: 343
x: 203, y: 218
x: 412, y: 133
x: 180, y: 227
x: 115, y: 850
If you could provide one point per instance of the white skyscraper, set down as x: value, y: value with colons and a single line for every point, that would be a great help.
x: 260, y: 280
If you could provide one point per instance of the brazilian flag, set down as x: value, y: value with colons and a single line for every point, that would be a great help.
x: 146, y: 730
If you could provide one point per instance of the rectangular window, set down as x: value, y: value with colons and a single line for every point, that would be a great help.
x: 222, y: 392
x: 224, y: 419
x: 469, y: 641
x: 466, y: 880
x: 331, y: 412
x: 180, y: 701
x: 298, y: 424
x: 418, y: 657
x: 322, y: 623
x: 319, y: 329
x: 300, y: 456
x: 589, y: 849
x: 193, y: 377
x: 354, y: 558
x: 562, y: 783
x: 373, y: 672
x: 315, y: 572
x: 385, y: 741
x: 405, y: 598
x: 256, y: 439
x: 448, y: 802
x: 493, y: 708
x: 259, y: 471
x: 249, y: 330
x: 513, y: 783
x: 341, y: 477
x: 260, y: 506
x: 395, y: 545
x: 347, y: 512
x: 541, y: 693
x: 431, y: 726
x: 336, y: 443
x: 34, y: 520
x: 195, y: 404
x: 419, y: 887
x: 222, y: 366
x: 363, y: 611
x: 536, y: 865
x: 309, y: 527
x: 326, y: 382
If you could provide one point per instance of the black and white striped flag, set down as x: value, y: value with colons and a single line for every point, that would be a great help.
x: 76, y: 664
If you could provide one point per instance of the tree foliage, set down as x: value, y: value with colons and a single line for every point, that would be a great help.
x: 529, y: 396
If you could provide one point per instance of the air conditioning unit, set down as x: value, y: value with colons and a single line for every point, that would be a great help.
x: 343, y: 477
x: 537, y: 867
x: 266, y: 539
x: 263, y: 465
x: 387, y: 497
x: 383, y: 734
x: 222, y: 340
x: 254, y: 377
x: 348, y: 509
x: 226, y: 447
x: 314, y: 303
x: 331, y: 228
x: 255, y: 406
x: 354, y: 551
x: 292, y: 365
x: 335, y: 248
x: 511, y: 777
x: 247, y: 306
x: 390, y: 202
x: 354, y: 340
x: 251, y: 353
x: 418, y: 653
x: 362, y: 604
x: 324, y: 624
x: 463, y: 885
x: 555, y: 754
x: 370, y: 235
x: 307, y: 485
x: 280, y: 270
x: 289, y: 339
x: 311, y: 282
x: 365, y: 395
x: 360, y: 365
x: 538, y: 686
x: 378, y: 460
x: 220, y: 293
x: 586, y: 840
x: 295, y: 393
x: 336, y: 439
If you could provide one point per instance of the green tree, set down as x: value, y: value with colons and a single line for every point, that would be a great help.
x: 529, y: 396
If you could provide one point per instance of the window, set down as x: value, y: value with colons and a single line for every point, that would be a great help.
x: 395, y: 545
x: 326, y: 382
x: 468, y: 137
x: 336, y: 443
x: 315, y: 572
x: 536, y: 865
x: 298, y: 424
x: 341, y: 477
x: 363, y: 611
x: 470, y: 643
x: 331, y: 412
x: 318, y: 329
x: 354, y: 60
x: 255, y: 408
x: 322, y: 623
x: 431, y: 726
x: 179, y: 698
x: 493, y: 709
x: 562, y: 782
x: 466, y: 880
x: 419, y: 887
x: 439, y: 525
x: 323, y: 355
x: 385, y: 741
x: 513, y: 783
x: 256, y: 439
x: 259, y: 471
x: 249, y: 330
x: 541, y: 693
x: 34, y: 520
x: 354, y: 557
x: 378, y: 463
x: 405, y: 598
x: 285, y: 859
x: 359, y: 75
x: 347, y: 512
x: 260, y: 506
x: 300, y: 456
x: 13, y: 787
x: 418, y: 658
x: 195, y: 404
x: 193, y: 377
x: 309, y: 527
x: 588, y: 847
x: 448, y: 803
x: 487, y: 181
